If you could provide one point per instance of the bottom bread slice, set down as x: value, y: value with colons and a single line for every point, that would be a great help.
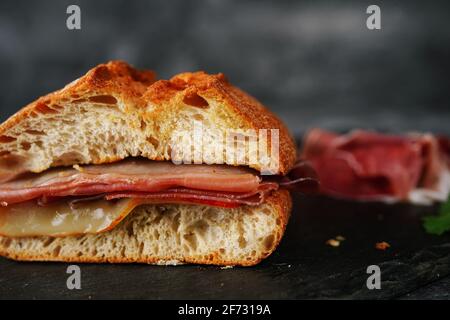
x: 170, y: 234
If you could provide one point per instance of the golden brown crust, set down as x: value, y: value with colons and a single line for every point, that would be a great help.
x: 245, y: 107
x: 137, y: 89
x: 114, y: 77
x: 281, y: 200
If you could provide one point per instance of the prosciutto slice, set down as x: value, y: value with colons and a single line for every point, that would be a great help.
x: 372, y: 166
x: 128, y: 175
x: 156, y: 182
x: 221, y: 199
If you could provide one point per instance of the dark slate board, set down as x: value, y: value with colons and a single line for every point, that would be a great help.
x: 302, y: 267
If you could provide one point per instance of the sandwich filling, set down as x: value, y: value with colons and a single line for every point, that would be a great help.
x: 95, y: 198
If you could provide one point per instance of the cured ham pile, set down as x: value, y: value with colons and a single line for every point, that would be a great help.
x: 155, y: 181
x: 139, y: 178
x: 371, y: 166
x: 94, y: 198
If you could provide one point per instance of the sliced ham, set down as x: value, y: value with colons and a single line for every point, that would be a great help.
x: 368, y: 165
x: 149, y: 182
x: 302, y: 178
x: 128, y: 175
x: 182, y: 195
x: 95, y: 198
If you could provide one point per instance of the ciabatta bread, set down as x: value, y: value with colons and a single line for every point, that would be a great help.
x: 170, y: 234
x: 116, y: 111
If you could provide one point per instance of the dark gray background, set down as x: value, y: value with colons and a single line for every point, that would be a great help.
x: 313, y: 62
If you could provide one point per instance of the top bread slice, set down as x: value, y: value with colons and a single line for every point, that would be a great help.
x: 116, y: 111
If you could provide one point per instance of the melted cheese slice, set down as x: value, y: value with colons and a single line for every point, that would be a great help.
x: 60, y: 219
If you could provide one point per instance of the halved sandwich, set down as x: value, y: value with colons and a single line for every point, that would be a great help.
x: 98, y: 172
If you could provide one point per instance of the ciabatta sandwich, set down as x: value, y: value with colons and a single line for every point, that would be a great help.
x: 95, y: 172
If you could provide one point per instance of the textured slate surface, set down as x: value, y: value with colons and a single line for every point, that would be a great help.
x: 437, y: 290
x: 302, y: 267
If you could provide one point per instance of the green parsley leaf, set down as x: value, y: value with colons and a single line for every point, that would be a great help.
x: 439, y: 224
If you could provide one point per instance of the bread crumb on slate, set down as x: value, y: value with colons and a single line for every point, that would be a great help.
x: 226, y: 267
x: 336, y: 241
x: 383, y: 245
x: 333, y: 242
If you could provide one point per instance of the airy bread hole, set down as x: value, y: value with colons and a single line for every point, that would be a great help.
x: 35, y: 132
x: 198, y: 117
x: 7, y: 139
x: 44, y: 109
x: 175, y: 223
x: 6, y: 242
x: 191, y: 239
x: 94, y: 153
x: 193, y: 99
x: 268, y: 241
x: 105, y: 99
x: 68, y: 122
x: 200, y: 227
x: 153, y: 142
x: 69, y: 157
x: 209, y: 257
x: 56, y: 251
x: 25, y: 145
x: 79, y: 101
x: 102, y: 73
x: 48, y: 242
x: 242, y: 242
x: 129, y: 229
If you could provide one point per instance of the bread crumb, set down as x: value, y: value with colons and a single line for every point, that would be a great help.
x: 382, y: 245
x: 226, y: 267
x: 333, y: 242
x: 336, y: 241
x: 173, y: 262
